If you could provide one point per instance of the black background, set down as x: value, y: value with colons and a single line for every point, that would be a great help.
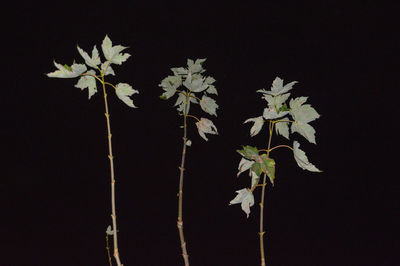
x: 54, y: 192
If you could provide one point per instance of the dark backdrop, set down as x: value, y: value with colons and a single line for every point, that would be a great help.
x: 54, y: 192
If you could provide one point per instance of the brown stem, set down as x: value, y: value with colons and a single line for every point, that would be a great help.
x: 108, y: 251
x: 180, y: 193
x: 111, y: 157
x: 262, y: 232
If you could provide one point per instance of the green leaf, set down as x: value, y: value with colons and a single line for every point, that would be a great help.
x: 258, y: 123
x: 277, y: 87
x: 283, y: 108
x: 246, y: 198
x: 256, y: 167
x: 268, y: 167
x: 67, y: 67
x: 90, y: 61
x: 249, y: 152
x: 208, y: 105
x: 65, y: 71
x: 88, y: 82
x: 206, y: 126
x: 113, y: 53
x: 123, y: 91
x: 302, y: 160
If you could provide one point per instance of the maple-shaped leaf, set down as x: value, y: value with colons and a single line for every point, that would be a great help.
x: 271, y: 113
x: 109, y: 231
x: 244, y: 165
x: 179, y: 71
x: 258, y: 123
x: 278, y: 88
x: 302, y: 160
x: 113, y: 53
x: 254, y: 178
x: 206, y: 126
x: 169, y: 85
x: 65, y: 71
x: 196, y: 66
x: 303, y: 114
x: 268, y: 167
x: 89, y: 82
x: 282, y: 128
x: 246, y: 198
x: 208, y: 105
x: 106, y: 69
x: 276, y: 102
x: 249, y: 152
x: 90, y: 61
x: 123, y: 91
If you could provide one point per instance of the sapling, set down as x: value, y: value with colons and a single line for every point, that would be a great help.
x: 258, y: 161
x: 87, y: 79
x: 188, y: 83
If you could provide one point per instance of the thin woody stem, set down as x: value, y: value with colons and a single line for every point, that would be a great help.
x: 108, y: 251
x: 273, y: 148
x: 180, y: 192
x: 262, y: 232
x: 192, y: 116
x: 111, y: 157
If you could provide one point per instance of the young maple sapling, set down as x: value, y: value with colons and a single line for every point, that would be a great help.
x: 258, y: 161
x: 186, y: 82
x: 87, y: 79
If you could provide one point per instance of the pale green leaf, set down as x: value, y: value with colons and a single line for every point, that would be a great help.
x: 302, y: 112
x: 190, y: 62
x: 206, y: 126
x: 305, y: 130
x: 254, y: 178
x: 90, y: 61
x: 67, y: 71
x: 211, y: 90
x: 276, y: 102
x: 302, y: 160
x: 277, y: 87
x: 246, y: 198
x: 208, y: 105
x: 282, y: 128
x: 88, y: 82
x: 106, y: 69
x: 258, y: 123
x: 179, y: 71
x: 210, y: 80
x: 113, y: 53
x: 109, y: 231
x: 123, y: 91
x: 244, y: 165
x: 271, y: 113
